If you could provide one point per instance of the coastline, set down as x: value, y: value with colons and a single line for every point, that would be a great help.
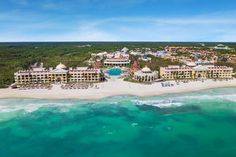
x: 114, y: 87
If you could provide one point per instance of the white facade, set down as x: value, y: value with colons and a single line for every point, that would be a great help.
x: 200, y: 71
x: 117, y: 62
x: 117, y: 59
x: 222, y: 47
x: 145, y: 75
x: 83, y: 74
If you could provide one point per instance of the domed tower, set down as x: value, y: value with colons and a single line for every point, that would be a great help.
x: 61, y: 66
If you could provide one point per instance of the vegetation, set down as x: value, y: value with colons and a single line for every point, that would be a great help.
x: 130, y: 79
x: 156, y: 63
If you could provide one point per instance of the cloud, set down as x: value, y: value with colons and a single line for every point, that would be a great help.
x: 213, y: 27
x: 169, y: 29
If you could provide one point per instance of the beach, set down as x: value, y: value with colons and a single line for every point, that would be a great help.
x: 115, y: 87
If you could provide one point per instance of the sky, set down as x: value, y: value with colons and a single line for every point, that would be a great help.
x: 118, y: 20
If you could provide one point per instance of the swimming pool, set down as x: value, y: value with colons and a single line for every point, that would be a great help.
x: 115, y: 72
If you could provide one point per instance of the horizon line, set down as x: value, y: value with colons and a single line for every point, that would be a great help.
x: 118, y: 41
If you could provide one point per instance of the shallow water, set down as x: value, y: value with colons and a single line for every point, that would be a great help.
x: 115, y: 72
x: 188, y: 125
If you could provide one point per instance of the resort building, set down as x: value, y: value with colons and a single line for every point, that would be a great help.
x: 145, y: 58
x: 204, y: 62
x: 145, y: 75
x: 58, y: 75
x: 176, y: 72
x: 84, y: 74
x: 116, y: 62
x: 117, y: 59
x: 222, y: 72
x: 100, y: 55
x: 222, y: 47
x: 201, y: 71
x: 124, y: 50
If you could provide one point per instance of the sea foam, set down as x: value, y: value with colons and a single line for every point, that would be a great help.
x: 28, y: 107
x: 159, y: 103
x: 180, y: 100
x: 228, y: 97
x: 177, y: 100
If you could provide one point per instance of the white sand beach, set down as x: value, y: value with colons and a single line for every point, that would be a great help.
x: 115, y: 87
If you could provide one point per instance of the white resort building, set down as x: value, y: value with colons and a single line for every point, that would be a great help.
x: 117, y: 59
x: 201, y: 71
x: 211, y: 71
x: 58, y: 75
x: 145, y: 75
x: 176, y: 72
x: 222, y: 47
x: 83, y: 74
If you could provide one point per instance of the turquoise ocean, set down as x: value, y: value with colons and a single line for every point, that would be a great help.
x: 198, y: 124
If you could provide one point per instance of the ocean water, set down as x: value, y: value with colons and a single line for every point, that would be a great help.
x: 199, y: 124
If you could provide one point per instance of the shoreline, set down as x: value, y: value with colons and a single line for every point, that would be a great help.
x: 114, y: 87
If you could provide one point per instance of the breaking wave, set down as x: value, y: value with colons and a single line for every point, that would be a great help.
x: 180, y: 100
x: 228, y: 97
x: 176, y: 100
x: 30, y: 107
x: 159, y: 103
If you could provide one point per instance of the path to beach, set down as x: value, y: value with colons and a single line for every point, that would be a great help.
x: 114, y: 87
